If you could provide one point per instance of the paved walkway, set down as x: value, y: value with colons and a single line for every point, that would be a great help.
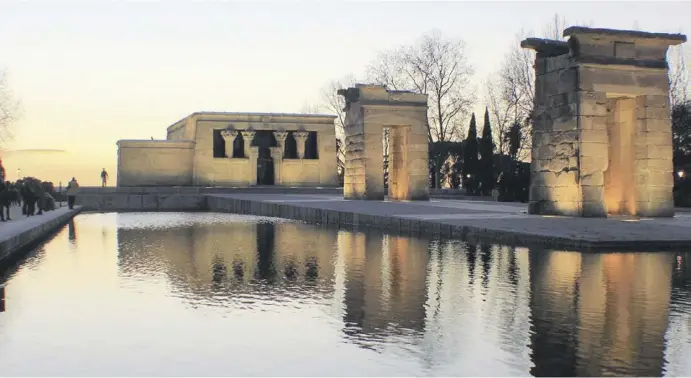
x: 21, y: 223
x: 510, y: 218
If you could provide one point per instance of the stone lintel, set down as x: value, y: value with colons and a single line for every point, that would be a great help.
x: 365, y: 94
x: 631, y: 36
x: 393, y: 104
x: 612, y: 61
x: 546, y: 47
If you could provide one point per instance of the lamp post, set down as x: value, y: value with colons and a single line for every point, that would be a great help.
x: 18, y: 173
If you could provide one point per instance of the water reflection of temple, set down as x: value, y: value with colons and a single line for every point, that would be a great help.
x: 599, y: 314
x: 385, y: 289
x: 231, y: 257
x: 462, y: 305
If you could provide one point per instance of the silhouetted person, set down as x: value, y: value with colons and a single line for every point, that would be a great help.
x: 72, y: 188
x: 104, y: 178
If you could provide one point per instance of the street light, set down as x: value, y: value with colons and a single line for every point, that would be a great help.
x: 680, y: 174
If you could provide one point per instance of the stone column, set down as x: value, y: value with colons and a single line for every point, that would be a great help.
x: 281, y: 140
x: 277, y: 156
x: 301, y: 140
x: 252, y: 153
x: 229, y: 138
x: 248, y: 136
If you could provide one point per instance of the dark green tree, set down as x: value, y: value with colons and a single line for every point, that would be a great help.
x: 514, y: 139
x: 470, y: 158
x: 486, y: 164
x: 681, y: 133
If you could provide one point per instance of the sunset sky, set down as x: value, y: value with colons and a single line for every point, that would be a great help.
x: 90, y: 73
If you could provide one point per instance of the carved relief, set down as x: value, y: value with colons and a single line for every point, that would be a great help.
x: 229, y: 139
x: 281, y: 137
x: 248, y: 137
x: 301, y: 140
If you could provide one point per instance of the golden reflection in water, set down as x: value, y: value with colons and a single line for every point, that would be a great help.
x: 434, y: 307
x: 607, y: 313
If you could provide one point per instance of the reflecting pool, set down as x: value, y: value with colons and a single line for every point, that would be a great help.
x: 199, y: 294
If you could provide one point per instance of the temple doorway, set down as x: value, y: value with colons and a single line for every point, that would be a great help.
x: 265, y: 163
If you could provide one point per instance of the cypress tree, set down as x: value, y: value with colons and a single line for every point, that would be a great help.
x: 470, y: 158
x: 487, y: 157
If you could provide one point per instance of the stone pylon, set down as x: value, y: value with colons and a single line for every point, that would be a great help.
x: 602, y: 135
x: 369, y: 110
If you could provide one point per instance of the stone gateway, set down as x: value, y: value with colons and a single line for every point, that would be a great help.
x: 602, y: 135
x: 370, y: 109
x: 234, y: 149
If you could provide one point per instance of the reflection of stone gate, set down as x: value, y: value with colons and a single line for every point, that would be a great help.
x: 370, y: 109
x: 602, y: 136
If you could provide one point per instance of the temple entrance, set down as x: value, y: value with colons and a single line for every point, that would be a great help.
x: 620, y: 186
x: 394, y: 129
x: 265, y: 163
x: 265, y: 170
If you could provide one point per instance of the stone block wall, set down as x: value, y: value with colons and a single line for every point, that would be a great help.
x: 187, y: 157
x: 369, y: 110
x: 555, y: 165
x: 602, y: 142
x: 154, y: 163
x: 216, y: 171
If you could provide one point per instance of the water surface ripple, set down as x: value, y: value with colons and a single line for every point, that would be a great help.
x: 202, y: 294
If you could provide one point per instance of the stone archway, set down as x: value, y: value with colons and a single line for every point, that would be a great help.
x: 369, y: 110
x: 602, y: 136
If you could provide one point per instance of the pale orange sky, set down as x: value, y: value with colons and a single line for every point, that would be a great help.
x: 91, y: 73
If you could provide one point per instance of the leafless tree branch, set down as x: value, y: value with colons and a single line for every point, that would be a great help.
x: 512, y: 96
x: 679, y: 80
x: 437, y: 66
x: 9, y: 111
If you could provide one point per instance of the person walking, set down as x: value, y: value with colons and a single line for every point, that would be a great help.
x: 104, y: 178
x: 72, y: 188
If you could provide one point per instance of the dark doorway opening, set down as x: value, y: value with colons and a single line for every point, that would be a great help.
x: 265, y: 163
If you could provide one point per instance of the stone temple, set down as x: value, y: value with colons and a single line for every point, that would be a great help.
x: 602, y: 135
x: 370, y: 109
x: 234, y: 149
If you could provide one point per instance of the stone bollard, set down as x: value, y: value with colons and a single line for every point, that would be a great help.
x: 2, y: 298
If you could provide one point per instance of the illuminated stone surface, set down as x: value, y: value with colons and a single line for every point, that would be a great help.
x: 187, y: 157
x: 369, y: 110
x: 602, y: 136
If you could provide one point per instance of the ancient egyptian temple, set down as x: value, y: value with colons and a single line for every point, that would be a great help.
x: 234, y: 149
x: 602, y: 135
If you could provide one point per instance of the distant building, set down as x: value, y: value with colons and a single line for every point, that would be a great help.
x: 234, y: 149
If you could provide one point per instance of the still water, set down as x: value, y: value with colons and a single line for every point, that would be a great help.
x: 219, y: 294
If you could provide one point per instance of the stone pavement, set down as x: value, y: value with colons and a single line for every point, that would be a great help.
x: 22, y: 231
x: 506, y: 222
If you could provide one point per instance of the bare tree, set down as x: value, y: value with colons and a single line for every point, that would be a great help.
x: 331, y: 103
x: 9, y: 110
x: 501, y: 113
x: 679, y: 80
x: 512, y: 97
x: 437, y: 66
x: 308, y: 108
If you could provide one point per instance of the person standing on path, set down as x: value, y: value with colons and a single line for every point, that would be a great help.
x: 104, y: 178
x: 72, y: 188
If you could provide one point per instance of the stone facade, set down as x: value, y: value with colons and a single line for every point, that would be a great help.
x: 602, y: 136
x: 369, y: 110
x: 235, y: 149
